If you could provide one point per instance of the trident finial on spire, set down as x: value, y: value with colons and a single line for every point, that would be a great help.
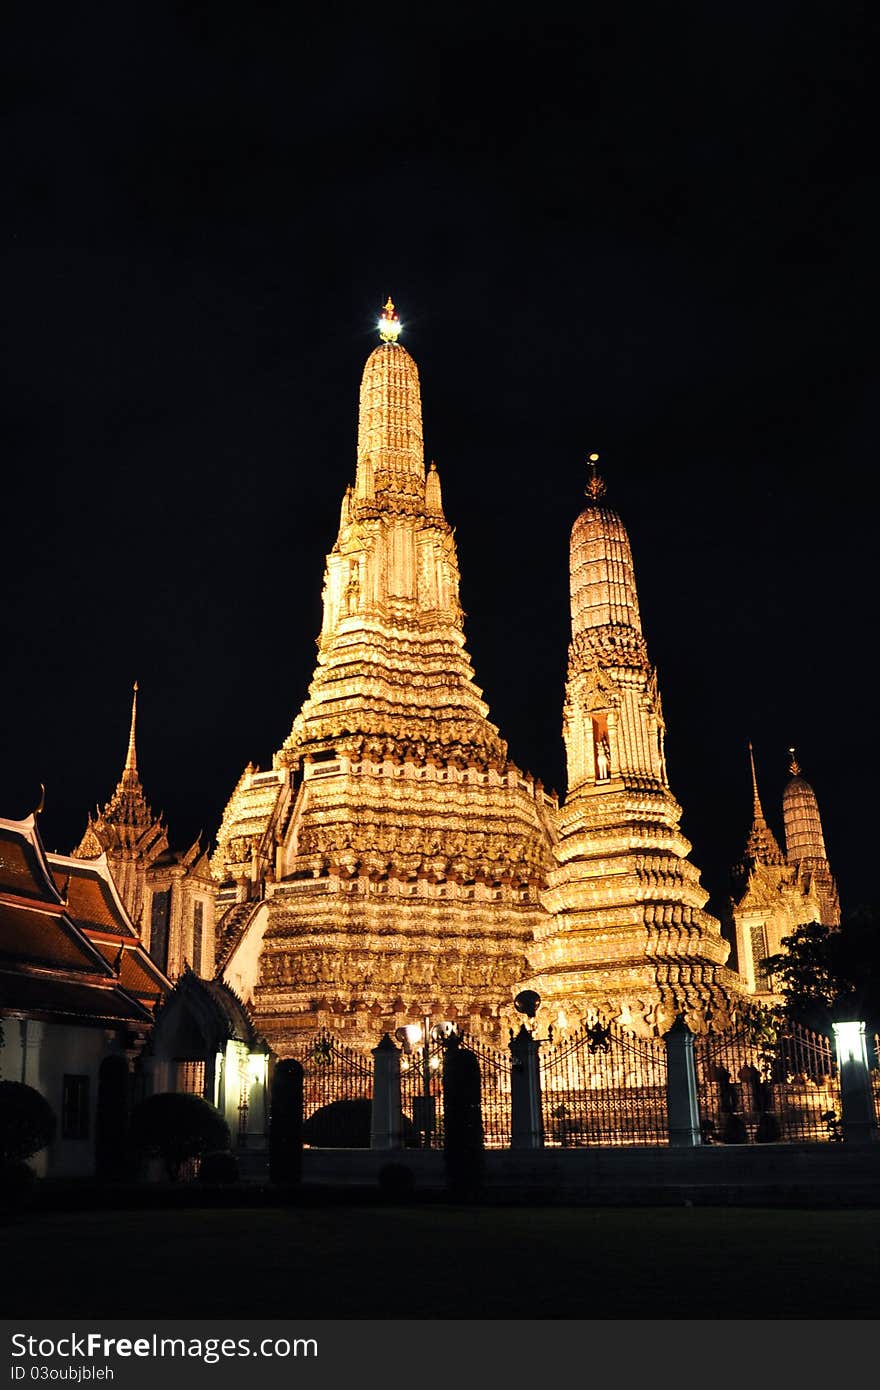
x: 131, y: 757
x: 794, y: 766
x: 389, y: 324
x: 595, y: 488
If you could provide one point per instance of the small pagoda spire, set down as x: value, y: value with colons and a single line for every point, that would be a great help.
x: 595, y: 488
x: 761, y: 845
x: 131, y: 767
x: 794, y: 766
x: 389, y: 324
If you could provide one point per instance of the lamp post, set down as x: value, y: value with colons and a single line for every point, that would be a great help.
x: 418, y: 1037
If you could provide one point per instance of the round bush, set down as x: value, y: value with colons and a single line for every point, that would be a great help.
x: 343, y: 1124
x: 27, y: 1122
x: 178, y: 1127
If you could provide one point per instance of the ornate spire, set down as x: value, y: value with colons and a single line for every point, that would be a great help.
x: 595, y: 488
x: 131, y: 768
x: 390, y: 457
x: 761, y: 845
x: 794, y: 766
x: 757, y: 808
x: 389, y: 324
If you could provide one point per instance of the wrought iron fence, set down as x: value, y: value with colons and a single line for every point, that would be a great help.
x: 421, y: 1096
x: 337, y: 1092
x: 767, y: 1082
x: 494, y: 1093
x: 603, y: 1085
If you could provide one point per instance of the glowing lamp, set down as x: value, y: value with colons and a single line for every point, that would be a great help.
x: 257, y: 1067
x: 849, y: 1039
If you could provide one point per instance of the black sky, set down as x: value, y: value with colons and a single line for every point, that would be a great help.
x: 644, y: 231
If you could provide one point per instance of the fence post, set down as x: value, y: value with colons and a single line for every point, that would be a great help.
x: 683, y: 1112
x: 526, y: 1121
x: 386, y: 1126
x: 856, y: 1096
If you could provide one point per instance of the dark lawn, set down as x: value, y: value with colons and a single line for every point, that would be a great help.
x: 444, y: 1262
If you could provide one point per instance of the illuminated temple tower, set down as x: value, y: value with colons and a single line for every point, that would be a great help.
x: 168, y: 894
x: 627, y: 931
x: 390, y: 863
x: 771, y: 896
x: 805, y: 843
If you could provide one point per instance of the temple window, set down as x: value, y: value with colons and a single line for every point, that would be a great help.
x: 198, y: 932
x: 75, y: 1107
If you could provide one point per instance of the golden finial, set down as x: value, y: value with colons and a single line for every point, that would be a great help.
x: 389, y: 324
x: 41, y: 804
x: 595, y: 488
x: 756, y: 800
x: 794, y: 766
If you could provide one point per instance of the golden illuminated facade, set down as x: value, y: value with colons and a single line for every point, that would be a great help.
x: 169, y: 895
x: 626, y: 930
x: 391, y: 862
x: 774, y: 892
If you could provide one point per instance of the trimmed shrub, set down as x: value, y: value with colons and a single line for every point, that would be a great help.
x: 27, y: 1122
x: 286, y: 1122
x: 344, y: 1124
x: 177, y: 1127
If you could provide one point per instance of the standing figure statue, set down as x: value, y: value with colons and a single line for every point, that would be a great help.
x: 602, y: 760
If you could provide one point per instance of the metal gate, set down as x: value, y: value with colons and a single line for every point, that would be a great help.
x: 494, y: 1093
x: 603, y: 1085
x: 337, y: 1092
x: 767, y: 1081
x: 421, y: 1096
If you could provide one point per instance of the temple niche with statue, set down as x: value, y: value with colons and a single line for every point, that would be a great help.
x: 395, y: 862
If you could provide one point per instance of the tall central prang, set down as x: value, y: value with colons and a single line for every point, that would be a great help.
x: 391, y: 862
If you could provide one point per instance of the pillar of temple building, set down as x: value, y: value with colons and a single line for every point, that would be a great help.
x: 627, y: 932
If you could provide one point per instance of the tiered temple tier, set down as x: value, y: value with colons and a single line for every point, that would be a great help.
x: 403, y: 889
x: 366, y: 957
x: 414, y: 688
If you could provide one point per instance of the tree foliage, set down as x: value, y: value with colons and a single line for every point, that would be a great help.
x: 829, y: 974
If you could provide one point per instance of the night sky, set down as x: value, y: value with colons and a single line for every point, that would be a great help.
x: 648, y: 234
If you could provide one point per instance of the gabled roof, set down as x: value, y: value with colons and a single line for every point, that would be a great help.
x: 90, y: 894
x: 68, y: 949
x: 24, y: 871
x: 94, y: 903
x: 221, y: 1014
x: 36, y: 937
